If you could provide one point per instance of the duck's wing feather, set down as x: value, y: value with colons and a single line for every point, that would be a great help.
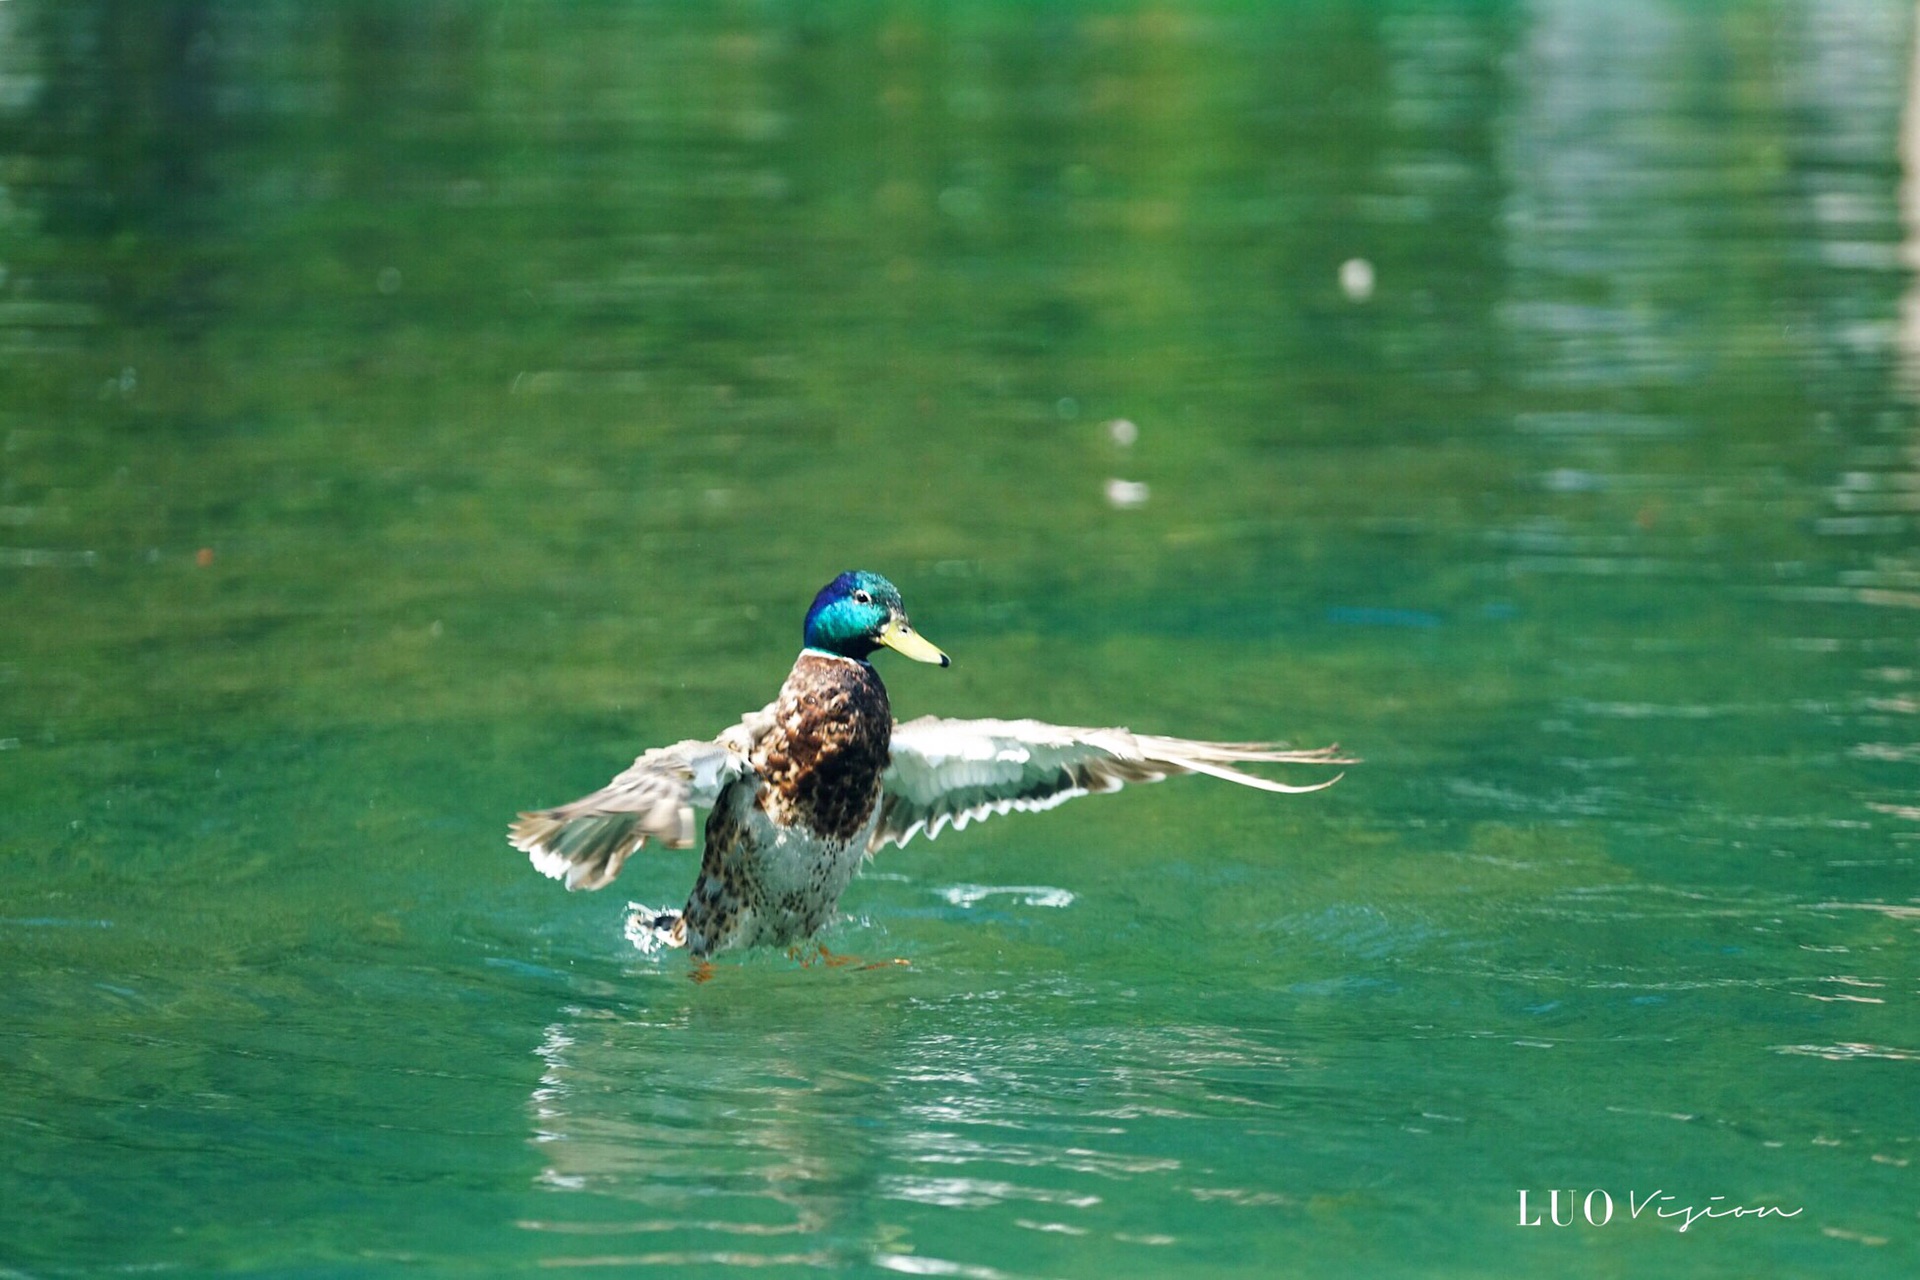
x: 951, y: 772
x: 586, y: 842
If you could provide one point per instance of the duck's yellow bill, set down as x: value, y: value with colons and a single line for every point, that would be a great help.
x: 900, y: 636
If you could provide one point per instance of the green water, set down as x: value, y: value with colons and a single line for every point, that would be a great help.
x: 410, y: 411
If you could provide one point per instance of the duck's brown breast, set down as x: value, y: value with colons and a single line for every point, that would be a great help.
x: 823, y: 758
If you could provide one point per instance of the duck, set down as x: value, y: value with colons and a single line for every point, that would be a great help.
x: 802, y: 792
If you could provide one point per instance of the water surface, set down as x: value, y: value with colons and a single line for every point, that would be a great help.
x: 410, y: 412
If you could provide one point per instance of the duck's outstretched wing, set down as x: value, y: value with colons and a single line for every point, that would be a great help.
x: 585, y: 842
x: 955, y: 771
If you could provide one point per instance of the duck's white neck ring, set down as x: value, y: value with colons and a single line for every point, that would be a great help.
x: 811, y: 652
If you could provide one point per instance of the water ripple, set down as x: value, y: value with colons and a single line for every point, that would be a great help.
x: 1849, y: 1052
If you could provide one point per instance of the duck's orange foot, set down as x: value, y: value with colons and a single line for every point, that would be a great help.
x: 888, y: 964
x: 702, y: 971
x: 836, y: 961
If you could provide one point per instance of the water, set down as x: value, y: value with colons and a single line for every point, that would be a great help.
x: 410, y: 412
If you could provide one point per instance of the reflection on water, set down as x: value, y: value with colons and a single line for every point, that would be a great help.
x: 410, y: 411
x: 644, y: 1132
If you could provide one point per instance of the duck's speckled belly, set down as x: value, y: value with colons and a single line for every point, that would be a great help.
x: 801, y: 877
x: 767, y: 885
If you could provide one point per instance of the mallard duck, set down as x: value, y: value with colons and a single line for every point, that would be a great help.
x: 805, y: 789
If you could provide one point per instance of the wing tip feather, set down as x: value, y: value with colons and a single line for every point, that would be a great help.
x: 584, y: 868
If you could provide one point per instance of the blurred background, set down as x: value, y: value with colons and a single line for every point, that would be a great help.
x: 410, y: 411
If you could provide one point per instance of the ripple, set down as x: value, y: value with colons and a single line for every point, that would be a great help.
x: 698, y: 1258
x: 1027, y: 895
x: 913, y: 1264
x: 1897, y: 911
x: 1848, y: 1051
x: 975, y: 1193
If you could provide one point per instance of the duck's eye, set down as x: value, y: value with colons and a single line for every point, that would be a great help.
x: 862, y: 597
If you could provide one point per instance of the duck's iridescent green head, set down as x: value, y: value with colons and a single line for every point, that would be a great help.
x: 857, y: 613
